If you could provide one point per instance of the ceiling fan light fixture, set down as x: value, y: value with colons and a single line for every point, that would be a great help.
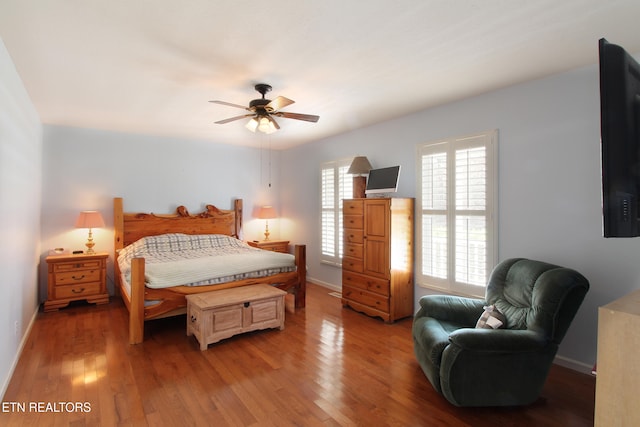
x: 266, y: 125
x: 252, y: 124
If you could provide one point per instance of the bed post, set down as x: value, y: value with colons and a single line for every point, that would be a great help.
x: 118, y: 223
x: 118, y: 239
x: 237, y: 208
x: 136, y: 309
x: 301, y: 264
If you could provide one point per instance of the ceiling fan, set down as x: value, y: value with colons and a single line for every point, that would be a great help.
x: 262, y: 112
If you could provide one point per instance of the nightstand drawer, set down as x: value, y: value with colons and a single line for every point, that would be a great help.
x: 80, y: 265
x: 271, y: 245
x: 275, y: 247
x: 77, y: 291
x: 77, y: 276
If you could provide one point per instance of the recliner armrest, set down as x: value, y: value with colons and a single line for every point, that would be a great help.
x: 451, y: 308
x: 498, y: 340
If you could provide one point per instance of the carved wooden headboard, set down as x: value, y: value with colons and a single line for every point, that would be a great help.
x: 130, y: 227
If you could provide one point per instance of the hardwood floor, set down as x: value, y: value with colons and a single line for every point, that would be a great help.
x: 329, y: 367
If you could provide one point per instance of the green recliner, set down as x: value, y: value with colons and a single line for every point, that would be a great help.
x: 473, y: 366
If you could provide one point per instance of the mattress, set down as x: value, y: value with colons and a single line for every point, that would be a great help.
x: 204, y: 259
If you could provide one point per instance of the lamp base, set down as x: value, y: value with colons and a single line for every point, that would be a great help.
x: 90, y: 244
x: 266, y: 230
x: 359, y: 186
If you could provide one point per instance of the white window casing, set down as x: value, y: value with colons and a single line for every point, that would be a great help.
x: 457, y: 207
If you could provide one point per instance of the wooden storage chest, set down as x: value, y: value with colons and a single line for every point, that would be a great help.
x: 214, y: 316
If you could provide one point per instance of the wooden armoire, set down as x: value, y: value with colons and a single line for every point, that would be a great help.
x: 377, y: 265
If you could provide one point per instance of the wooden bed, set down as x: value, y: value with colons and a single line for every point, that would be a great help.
x: 129, y: 227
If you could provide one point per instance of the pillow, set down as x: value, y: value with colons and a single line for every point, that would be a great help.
x: 491, y: 318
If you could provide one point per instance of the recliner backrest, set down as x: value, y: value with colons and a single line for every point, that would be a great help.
x: 536, y: 295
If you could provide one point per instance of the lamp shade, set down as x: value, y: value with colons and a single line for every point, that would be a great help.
x: 89, y: 219
x: 360, y: 165
x: 267, y: 212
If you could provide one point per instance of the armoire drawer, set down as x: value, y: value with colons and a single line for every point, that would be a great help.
x: 353, y: 250
x: 379, y: 286
x: 352, y: 264
x: 370, y: 299
x: 353, y: 235
x: 353, y: 221
x: 353, y: 207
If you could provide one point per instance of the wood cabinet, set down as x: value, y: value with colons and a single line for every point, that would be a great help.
x: 618, y: 371
x: 76, y: 277
x: 271, y: 245
x: 377, y: 265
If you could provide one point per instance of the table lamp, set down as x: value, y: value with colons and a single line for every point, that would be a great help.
x: 90, y: 219
x: 267, y: 213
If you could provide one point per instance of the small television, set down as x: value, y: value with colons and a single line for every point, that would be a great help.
x: 620, y: 140
x: 384, y: 180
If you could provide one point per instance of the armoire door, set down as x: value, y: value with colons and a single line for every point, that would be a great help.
x: 376, y: 238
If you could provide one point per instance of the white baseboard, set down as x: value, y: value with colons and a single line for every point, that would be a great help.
x: 324, y: 284
x: 23, y: 341
x: 573, y: 364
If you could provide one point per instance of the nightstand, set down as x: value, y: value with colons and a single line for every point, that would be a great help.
x: 76, y: 277
x: 271, y: 245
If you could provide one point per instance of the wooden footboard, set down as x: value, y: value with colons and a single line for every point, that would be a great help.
x: 172, y: 300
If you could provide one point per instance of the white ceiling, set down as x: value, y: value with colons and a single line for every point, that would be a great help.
x: 151, y: 66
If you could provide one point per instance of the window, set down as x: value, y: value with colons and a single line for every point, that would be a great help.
x: 457, y: 205
x: 336, y: 185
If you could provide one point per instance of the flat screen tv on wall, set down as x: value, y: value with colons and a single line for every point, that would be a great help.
x: 620, y: 140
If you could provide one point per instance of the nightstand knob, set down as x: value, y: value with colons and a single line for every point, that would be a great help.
x: 75, y: 291
x: 77, y: 278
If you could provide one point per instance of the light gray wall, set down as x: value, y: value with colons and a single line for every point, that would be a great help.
x: 86, y: 168
x: 549, y: 184
x: 20, y: 179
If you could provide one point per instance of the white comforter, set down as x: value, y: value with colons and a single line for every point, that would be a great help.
x: 192, y: 260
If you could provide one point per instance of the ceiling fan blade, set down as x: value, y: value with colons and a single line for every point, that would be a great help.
x: 279, y: 102
x: 275, y: 124
x: 232, y: 119
x: 298, y: 116
x: 230, y: 104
